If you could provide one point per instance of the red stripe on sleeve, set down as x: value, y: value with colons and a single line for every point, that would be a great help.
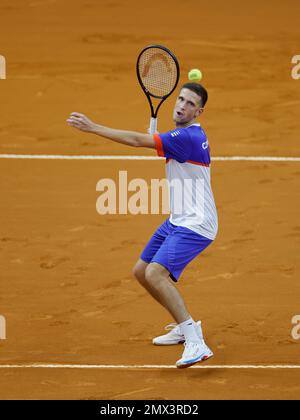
x: 158, y: 145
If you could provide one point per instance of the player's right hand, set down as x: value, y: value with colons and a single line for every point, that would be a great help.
x: 81, y: 122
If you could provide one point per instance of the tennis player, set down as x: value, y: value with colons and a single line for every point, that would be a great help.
x: 186, y: 233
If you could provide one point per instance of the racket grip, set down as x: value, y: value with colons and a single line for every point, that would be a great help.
x: 153, y: 125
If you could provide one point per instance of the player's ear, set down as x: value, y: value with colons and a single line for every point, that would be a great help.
x: 199, y: 111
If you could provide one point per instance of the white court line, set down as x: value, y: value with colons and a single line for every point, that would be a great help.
x: 136, y: 367
x: 124, y: 157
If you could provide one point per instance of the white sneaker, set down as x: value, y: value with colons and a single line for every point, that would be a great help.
x: 175, y: 336
x: 194, y: 353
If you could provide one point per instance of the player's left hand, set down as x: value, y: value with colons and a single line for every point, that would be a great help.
x: 81, y: 122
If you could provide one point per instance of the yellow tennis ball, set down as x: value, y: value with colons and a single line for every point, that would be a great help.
x: 195, y: 75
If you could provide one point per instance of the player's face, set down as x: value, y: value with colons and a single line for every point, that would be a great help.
x: 187, y: 107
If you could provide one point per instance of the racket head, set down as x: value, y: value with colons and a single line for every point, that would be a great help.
x: 157, y: 71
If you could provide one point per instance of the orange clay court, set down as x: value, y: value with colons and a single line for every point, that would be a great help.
x: 67, y: 290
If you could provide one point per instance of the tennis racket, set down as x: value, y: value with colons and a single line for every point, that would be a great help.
x: 158, y: 73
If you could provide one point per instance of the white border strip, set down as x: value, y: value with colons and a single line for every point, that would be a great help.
x: 136, y: 367
x: 124, y: 157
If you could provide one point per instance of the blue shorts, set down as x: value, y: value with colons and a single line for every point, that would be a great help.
x: 174, y: 247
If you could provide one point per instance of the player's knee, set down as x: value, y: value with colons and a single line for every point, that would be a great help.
x: 156, y: 275
x: 152, y: 275
x: 138, y: 272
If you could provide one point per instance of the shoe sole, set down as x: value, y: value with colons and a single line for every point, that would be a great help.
x: 169, y: 343
x: 203, y: 359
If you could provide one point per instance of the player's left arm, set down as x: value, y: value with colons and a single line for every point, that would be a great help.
x: 129, y: 138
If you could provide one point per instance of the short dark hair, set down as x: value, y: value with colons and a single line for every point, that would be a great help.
x: 199, y: 90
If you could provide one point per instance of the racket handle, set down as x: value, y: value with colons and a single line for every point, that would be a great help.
x: 153, y: 125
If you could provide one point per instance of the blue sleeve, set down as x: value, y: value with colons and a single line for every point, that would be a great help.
x: 177, y: 144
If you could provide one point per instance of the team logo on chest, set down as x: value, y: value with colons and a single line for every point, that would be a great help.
x: 205, y: 145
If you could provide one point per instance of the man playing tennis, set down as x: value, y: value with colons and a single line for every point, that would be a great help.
x: 187, y: 232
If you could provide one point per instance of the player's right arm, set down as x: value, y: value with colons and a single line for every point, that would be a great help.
x: 129, y: 138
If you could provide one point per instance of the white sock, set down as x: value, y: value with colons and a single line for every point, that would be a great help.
x: 189, y: 331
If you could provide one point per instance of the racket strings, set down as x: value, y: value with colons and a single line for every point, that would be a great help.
x: 158, y: 72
